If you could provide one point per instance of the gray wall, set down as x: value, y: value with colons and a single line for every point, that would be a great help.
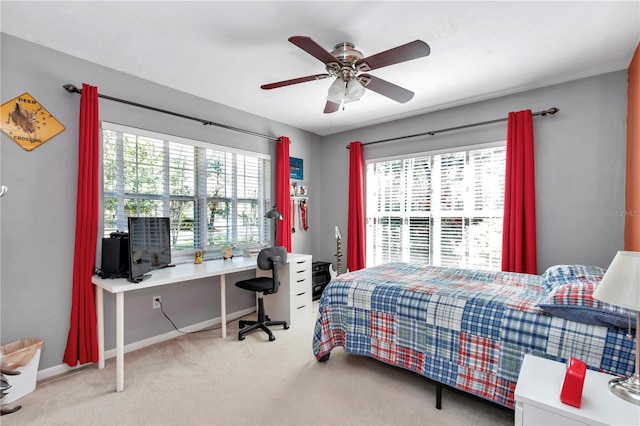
x: 38, y: 214
x: 579, y: 160
x: 579, y: 155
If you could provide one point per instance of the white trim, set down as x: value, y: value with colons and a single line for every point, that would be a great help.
x: 472, y: 147
x: 59, y: 369
x: 106, y: 125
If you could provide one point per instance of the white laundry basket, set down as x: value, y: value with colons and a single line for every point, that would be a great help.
x: 21, y: 356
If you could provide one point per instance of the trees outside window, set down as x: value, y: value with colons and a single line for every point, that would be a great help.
x: 441, y: 208
x: 214, y: 196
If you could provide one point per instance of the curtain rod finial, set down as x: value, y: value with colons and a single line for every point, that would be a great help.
x: 551, y: 111
x: 71, y: 88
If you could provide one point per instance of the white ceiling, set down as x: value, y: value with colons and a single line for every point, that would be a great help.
x: 224, y: 50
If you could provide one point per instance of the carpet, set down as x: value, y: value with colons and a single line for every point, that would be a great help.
x: 201, y: 379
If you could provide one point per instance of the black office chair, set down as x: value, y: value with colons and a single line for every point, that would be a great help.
x: 270, y: 258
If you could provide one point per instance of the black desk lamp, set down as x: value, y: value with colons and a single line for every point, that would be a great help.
x: 275, y: 214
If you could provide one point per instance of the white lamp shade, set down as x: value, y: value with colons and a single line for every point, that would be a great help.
x: 621, y: 283
x: 336, y: 91
x: 355, y: 90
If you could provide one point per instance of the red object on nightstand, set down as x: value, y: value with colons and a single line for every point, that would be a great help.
x: 571, y: 392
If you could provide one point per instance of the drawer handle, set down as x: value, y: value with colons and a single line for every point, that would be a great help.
x: 300, y: 307
x: 302, y: 280
x: 300, y: 294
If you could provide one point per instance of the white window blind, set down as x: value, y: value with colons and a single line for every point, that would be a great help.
x: 215, y: 196
x: 442, y: 209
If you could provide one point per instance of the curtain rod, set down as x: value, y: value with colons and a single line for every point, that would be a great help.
x: 433, y: 132
x: 73, y: 89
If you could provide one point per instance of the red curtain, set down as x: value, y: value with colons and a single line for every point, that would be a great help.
x: 82, y: 343
x: 519, y: 226
x: 355, y: 226
x: 283, y: 195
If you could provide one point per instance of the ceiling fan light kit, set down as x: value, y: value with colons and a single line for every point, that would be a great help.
x: 341, y: 92
x: 337, y: 91
x: 345, y: 63
x: 355, y: 90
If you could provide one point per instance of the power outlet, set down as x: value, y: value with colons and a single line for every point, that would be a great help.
x: 156, y: 302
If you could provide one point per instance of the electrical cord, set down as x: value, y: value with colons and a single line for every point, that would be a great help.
x: 193, y: 332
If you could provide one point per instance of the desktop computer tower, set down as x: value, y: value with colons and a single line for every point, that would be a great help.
x: 115, y: 256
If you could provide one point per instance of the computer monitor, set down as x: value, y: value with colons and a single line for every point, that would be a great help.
x: 149, y: 246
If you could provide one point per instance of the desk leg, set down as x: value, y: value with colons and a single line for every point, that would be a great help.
x: 223, y: 305
x: 100, y: 315
x: 120, y: 342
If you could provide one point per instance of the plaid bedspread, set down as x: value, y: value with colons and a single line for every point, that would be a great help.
x: 467, y: 329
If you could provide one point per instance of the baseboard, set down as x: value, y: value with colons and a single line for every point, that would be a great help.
x: 57, y: 370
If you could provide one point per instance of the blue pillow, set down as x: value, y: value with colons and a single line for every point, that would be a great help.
x: 590, y: 315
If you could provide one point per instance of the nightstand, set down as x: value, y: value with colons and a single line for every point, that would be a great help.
x: 538, y: 402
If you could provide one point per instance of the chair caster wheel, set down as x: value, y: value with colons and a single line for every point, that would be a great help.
x: 286, y: 326
x: 266, y: 318
x: 272, y: 338
x: 240, y: 337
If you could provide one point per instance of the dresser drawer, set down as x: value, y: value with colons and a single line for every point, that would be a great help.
x: 300, y: 300
x: 300, y: 269
x: 301, y: 309
x: 301, y: 285
x: 292, y: 302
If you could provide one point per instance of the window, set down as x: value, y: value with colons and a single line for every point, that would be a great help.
x: 442, y: 209
x: 215, y: 196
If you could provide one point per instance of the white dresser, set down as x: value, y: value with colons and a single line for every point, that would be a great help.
x: 538, y: 402
x: 292, y: 302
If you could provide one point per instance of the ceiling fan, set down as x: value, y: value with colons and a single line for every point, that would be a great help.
x: 346, y: 64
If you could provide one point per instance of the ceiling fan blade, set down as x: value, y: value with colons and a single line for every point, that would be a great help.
x: 331, y: 107
x: 385, y: 88
x: 294, y: 81
x: 406, y: 52
x: 314, y: 49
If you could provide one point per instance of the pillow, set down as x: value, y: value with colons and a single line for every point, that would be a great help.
x: 574, y: 301
x: 558, y: 275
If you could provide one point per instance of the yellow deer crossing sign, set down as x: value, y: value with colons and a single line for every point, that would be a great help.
x: 27, y: 122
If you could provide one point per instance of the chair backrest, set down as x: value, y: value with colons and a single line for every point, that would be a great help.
x: 272, y: 258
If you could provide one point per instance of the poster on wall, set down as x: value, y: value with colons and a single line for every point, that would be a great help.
x: 296, y: 170
x: 27, y: 122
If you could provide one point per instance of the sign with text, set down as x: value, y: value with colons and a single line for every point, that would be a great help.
x: 296, y: 169
x: 27, y: 122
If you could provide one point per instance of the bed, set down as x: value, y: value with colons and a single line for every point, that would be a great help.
x: 470, y: 329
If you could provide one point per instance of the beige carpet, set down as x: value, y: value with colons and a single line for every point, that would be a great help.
x: 203, y: 379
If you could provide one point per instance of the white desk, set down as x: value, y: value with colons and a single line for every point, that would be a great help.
x: 172, y: 275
